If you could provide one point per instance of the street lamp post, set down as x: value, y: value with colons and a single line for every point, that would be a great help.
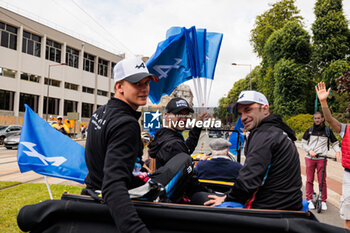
x: 250, y: 74
x: 48, y: 87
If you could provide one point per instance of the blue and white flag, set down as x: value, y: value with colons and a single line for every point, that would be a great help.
x: 48, y: 152
x: 213, y: 45
x: 233, y: 138
x: 170, y: 63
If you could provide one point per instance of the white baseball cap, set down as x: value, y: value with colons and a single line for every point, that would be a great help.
x: 132, y: 69
x: 250, y: 97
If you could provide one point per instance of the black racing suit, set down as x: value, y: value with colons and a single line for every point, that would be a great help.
x: 113, y: 146
x: 270, y: 144
x: 168, y: 143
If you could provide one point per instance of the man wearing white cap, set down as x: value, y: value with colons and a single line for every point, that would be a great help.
x: 114, y: 148
x: 270, y: 177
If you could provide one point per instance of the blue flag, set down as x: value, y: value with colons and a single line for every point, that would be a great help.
x: 202, y: 47
x: 213, y: 45
x: 170, y: 63
x: 47, y: 151
x: 233, y: 138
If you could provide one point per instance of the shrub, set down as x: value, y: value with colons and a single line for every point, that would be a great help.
x: 301, y: 122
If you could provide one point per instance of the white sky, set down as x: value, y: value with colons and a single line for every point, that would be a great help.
x: 136, y: 26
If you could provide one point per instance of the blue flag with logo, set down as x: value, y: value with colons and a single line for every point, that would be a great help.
x: 46, y: 151
x: 170, y: 63
x: 233, y: 138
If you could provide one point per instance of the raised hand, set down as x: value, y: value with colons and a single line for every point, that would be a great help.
x: 321, y: 91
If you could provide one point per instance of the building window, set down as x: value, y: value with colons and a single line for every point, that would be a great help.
x: 53, y: 82
x: 71, y: 86
x: 102, y: 67
x: 86, y: 110
x: 6, y: 100
x: 103, y: 93
x: 72, y: 57
x: 112, y: 94
x: 31, y: 44
x: 70, y: 106
x: 30, y: 77
x: 8, y: 36
x: 112, y: 73
x: 54, y: 106
x: 31, y: 100
x: 89, y: 63
x: 7, y: 73
x: 88, y: 90
x: 53, y: 51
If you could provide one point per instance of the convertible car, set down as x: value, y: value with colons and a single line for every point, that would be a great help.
x: 77, y: 213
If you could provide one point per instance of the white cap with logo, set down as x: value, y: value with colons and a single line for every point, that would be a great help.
x: 132, y: 69
x: 250, y: 97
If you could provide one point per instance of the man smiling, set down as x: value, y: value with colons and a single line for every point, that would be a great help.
x: 270, y: 177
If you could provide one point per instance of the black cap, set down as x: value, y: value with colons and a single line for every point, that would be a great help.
x: 177, y: 104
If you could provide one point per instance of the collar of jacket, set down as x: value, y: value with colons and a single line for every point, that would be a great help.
x: 276, y: 120
x: 115, y: 102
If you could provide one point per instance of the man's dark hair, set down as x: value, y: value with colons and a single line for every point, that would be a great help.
x: 318, y: 113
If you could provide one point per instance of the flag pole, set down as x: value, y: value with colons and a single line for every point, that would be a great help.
x: 200, y: 91
x: 205, y: 93
x: 211, y: 83
x: 196, y: 90
x: 48, y: 187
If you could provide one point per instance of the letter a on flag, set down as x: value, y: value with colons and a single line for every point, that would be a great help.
x: 48, y: 152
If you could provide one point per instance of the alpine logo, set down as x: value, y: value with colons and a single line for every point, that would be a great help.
x: 163, y: 70
x: 53, y: 161
x: 241, y: 96
x: 189, y: 169
x: 142, y: 65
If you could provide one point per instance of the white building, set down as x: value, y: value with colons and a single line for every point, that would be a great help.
x: 32, y: 55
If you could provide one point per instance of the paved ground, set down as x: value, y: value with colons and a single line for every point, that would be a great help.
x: 9, y: 172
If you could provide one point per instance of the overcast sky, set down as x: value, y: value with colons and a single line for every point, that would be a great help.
x: 136, y: 26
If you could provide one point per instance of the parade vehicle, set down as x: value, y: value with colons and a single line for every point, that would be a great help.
x: 77, y: 213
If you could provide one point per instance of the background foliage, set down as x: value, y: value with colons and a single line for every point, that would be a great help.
x: 294, y: 61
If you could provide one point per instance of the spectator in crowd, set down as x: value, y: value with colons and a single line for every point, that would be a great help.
x: 315, y: 142
x: 343, y: 130
x: 270, y: 177
x: 60, y: 126
x: 220, y: 167
x: 82, y: 131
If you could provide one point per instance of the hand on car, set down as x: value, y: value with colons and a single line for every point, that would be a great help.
x: 215, y: 200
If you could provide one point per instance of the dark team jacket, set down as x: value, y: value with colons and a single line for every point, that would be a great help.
x: 112, y: 147
x: 168, y: 143
x: 221, y: 169
x: 271, y: 143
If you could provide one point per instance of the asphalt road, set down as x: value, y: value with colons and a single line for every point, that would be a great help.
x: 9, y: 172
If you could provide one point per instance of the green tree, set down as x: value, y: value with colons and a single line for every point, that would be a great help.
x: 272, y: 20
x: 335, y: 69
x: 331, y: 36
x: 291, y: 87
x: 289, y: 42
